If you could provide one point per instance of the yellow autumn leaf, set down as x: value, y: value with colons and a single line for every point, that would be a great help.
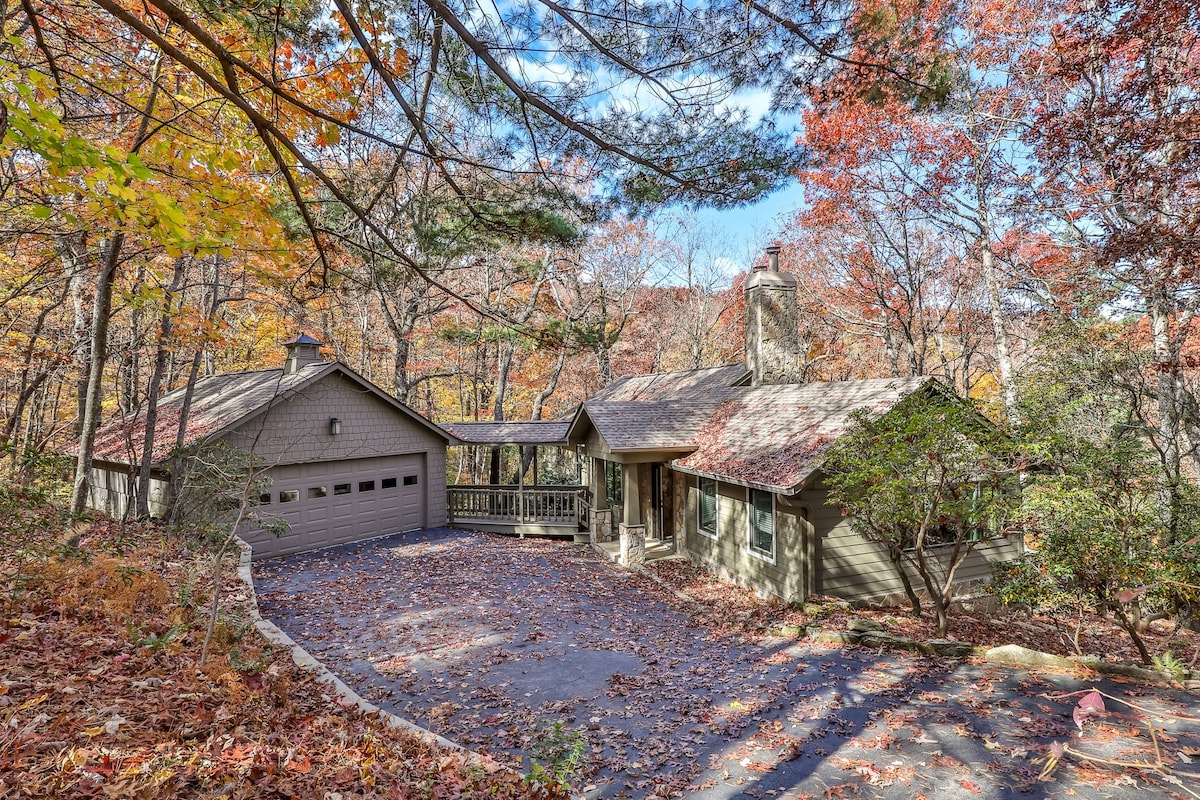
x: 35, y: 701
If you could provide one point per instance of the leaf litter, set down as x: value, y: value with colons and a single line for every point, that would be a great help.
x: 487, y: 640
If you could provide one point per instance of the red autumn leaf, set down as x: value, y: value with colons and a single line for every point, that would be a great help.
x: 1090, y: 706
x: 1129, y: 595
x: 973, y: 788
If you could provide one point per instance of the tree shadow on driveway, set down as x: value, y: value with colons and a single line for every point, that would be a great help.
x: 490, y: 641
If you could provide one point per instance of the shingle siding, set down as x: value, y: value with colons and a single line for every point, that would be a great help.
x: 729, y: 554
x: 851, y: 567
x: 816, y: 549
x: 296, y: 430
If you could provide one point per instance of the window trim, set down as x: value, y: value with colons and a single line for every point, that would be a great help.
x: 715, y: 533
x: 758, y: 553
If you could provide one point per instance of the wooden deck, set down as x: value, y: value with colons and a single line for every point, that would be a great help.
x: 518, y: 510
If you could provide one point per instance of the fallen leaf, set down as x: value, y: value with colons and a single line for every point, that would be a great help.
x: 1090, y: 706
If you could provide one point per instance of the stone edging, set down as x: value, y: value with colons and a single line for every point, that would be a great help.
x: 344, y: 694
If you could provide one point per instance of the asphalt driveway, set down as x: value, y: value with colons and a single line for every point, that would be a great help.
x: 512, y: 646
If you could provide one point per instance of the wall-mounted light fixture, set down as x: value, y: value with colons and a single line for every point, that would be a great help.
x: 335, y: 426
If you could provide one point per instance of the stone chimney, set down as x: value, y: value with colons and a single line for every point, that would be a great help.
x: 772, y: 324
x: 301, y: 351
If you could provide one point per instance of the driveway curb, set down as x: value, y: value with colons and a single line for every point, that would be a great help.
x: 344, y: 694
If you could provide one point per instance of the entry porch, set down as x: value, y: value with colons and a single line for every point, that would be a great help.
x: 530, y: 479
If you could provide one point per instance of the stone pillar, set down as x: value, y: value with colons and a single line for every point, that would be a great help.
x: 600, y: 525
x: 633, y: 544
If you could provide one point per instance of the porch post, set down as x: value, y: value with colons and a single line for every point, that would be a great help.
x: 600, y: 525
x: 632, y: 531
x: 520, y: 486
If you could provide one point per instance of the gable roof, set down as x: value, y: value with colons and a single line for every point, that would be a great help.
x: 659, y: 425
x: 775, y: 437
x: 221, y: 403
x: 771, y: 437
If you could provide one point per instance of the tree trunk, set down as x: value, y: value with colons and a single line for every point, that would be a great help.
x: 161, y: 351
x: 987, y: 262
x: 1166, y: 368
x: 174, y: 494
x: 175, y: 480
x: 896, y: 555
x: 604, y: 364
x: 73, y: 251
x: 94, y: 396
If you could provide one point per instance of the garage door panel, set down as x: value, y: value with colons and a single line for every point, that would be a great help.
x: 322, y: 516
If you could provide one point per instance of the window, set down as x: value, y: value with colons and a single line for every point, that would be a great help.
x: 341, y: 488
x: 612, y: 484
x: 289, y: 496
x: 707, y: 508
x: 410, y: 480
x: 315, y: 492
x: 387, y: 483
x: 264, y: 499
x: 366, y: 486
x: 762, y: 523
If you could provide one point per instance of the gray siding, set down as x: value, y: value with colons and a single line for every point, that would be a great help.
x: 297, y: 431
x: 111, y: 490
x: 816, y: 550
x: 729, y: 554
x: 851, y: 567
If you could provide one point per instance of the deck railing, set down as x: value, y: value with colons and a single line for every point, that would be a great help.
x: 550, y: 505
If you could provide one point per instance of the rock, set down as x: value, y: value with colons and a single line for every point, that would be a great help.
x: 787, y: 631
x: 1017, y: 656
x: 834, y: 637
x: 949, y: 647
x: 862, y: 625
x: 891, y: 642
x: 1125, y: 670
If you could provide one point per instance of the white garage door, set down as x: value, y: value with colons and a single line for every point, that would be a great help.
x: 334, y: 502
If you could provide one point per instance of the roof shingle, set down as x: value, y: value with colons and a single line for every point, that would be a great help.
x: 502, y: 433
x: 776, y: 436
x: 217, y: 402
x: 697, y: 383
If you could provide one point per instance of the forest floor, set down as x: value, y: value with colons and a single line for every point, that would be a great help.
x: 981, y: 624
x: 103, y: 692
x: 543, y: 652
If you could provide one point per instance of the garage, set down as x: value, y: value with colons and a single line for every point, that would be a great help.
x: 346, y: 460
x: 334, y: 502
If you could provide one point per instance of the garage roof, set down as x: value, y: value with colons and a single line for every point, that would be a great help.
x: 221, y: 403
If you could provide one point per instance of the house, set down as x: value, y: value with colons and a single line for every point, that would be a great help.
x: 723, y: 465
x: 347, y: 461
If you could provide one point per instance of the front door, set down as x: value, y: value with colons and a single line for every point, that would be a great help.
x: 657, y: 506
